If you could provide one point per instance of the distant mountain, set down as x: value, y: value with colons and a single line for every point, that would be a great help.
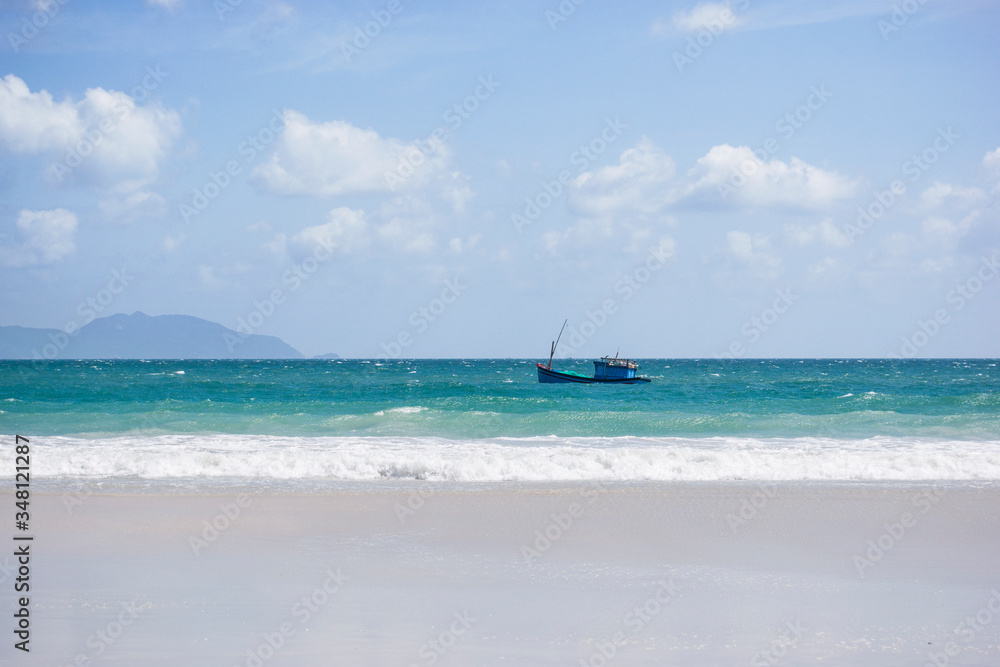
x: 328, y: 355
x: 140, y: 336
x: 18, y: 342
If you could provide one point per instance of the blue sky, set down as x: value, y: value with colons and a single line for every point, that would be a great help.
x: 751, y: 179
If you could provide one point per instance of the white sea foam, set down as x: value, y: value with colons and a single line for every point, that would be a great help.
x: 510, y: 459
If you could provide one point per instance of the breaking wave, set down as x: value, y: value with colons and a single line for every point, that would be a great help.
x: 275, y: 458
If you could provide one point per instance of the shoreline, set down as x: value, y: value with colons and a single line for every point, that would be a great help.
x: 222, y: 487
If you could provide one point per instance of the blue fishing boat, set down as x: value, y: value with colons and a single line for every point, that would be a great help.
x: 609, y: 370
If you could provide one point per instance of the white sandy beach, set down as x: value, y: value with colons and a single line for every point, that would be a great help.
x: 680, y: 574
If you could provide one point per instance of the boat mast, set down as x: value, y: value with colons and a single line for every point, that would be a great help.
x: 554, y: 343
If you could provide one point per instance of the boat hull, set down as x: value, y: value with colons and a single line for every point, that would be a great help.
x: 547, y: 375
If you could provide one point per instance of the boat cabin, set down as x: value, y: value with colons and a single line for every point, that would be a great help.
x: 613, y: 368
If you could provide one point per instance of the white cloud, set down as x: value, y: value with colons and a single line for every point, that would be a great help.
x: 273, y: 17
x: 103, y: 139
x: 645, y: 183
x: 506, y: 169
x: 900, y: 245
x: 714, y: 16
x: 824, y: 232
x: 218, y: 277
x: 260, y: 30
x: 754, y: 252
x: 739, y: 244
x: 456, y: 191
x: 138, y: 205
x: 45, y: 237
x: 943, y: 229
x: 399, y: 234
x: 344, y: 230
x: 940, y: 235
x: 409, y: 224
x: 641, y: 182
x: 458, y: 245
x: 630, y: 201
x: 33, y: 122
x: 793, y: 184
x: 992, y: 162
x: 166, y: 4
x: 206, y: 274
x: 940, y: 194
x: 277, y: 246
x: 753, y: 15
x: 828, y: 269
x: 661, y: 27
x: 621, y: 203
x: 959, y: 221
x: 336, y: 158
x: 171, y: 243
x: 259, y: 226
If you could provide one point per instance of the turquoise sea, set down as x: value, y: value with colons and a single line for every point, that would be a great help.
x: 490, y: 420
